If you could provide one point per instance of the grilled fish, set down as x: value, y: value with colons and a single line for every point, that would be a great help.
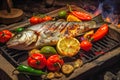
x: 48, y: 33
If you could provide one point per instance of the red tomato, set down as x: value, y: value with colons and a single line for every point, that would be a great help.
x: 40, y: 20
x: 47, y: 18
x: 37, y: 61
x: 54, y: 63
x: 5, y: 35
x: 34, y: 20
x: 86, y: 45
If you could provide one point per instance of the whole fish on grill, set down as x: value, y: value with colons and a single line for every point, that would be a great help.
x: 48, y: 33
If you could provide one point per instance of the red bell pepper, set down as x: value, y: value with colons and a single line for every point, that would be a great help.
x: 5, y: 35
x: 54, y: 63
x: 81, y: 15
x: 100, y: 33
x: 37, y: 61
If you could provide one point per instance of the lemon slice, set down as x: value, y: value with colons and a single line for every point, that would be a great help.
x: 68, y: 46
x: 72, y: 18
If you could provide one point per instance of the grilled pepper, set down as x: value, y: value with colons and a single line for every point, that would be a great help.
x: 5, y: 35
x: 29, y: 70
x: 100, y: 33
x: 79, y: 15
x: 37, y: 61
x: 88, y: 35
x: 54, y: 63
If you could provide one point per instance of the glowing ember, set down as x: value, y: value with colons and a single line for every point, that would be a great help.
x: 107, y: 19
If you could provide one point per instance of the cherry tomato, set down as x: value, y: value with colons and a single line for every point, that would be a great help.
x: 54, y: 63
x: 40, y: 20
x: 47, y: 18
x: 34, y: 20
x: 37, y: 61
x: 86, y: 45
x: 5, y: 35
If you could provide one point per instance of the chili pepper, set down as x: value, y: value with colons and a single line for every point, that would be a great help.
x: 54, y: 63
x: 100, y: 33
x: 5, y: 35
x: 29, y: 70
x: 80, y: 15
x: 37, y: 61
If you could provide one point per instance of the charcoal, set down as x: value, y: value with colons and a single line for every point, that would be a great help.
x: 109, y: 76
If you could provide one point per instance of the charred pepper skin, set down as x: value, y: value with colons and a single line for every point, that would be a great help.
x: 29, y: 70
x: 100, y: 33
x: 81, y: 15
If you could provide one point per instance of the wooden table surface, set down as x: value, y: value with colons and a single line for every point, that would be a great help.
x: 8, y: 68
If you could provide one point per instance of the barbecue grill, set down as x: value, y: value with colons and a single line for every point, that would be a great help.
x: 104, y: 53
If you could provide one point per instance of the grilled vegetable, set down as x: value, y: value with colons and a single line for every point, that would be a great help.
x: 29, y: 70
x: 54, y: 63
x: 58, y: 74
x: 88, y: 35
x: 37, y: 61
x: 80, y: 15
x: 50, y: 75
x: 78, y: 63
x: 5, y: 35
x: 67, y: 69
x: 72, y: 18
x: 100, y: 33
x: 47, y: 33
x: 86, y: 45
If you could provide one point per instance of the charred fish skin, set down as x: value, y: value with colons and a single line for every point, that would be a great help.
x: 48, y: 33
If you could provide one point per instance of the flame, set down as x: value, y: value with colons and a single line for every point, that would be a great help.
x: 118, y: 25
x: 99, y: 10
x: 115, y: 22
x: 107, y: 19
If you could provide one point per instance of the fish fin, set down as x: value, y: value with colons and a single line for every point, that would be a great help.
x: 99, y: 19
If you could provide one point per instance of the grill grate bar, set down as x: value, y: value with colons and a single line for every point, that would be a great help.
x: 99, y: 48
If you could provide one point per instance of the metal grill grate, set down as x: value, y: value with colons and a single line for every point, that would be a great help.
x: 99, y: 48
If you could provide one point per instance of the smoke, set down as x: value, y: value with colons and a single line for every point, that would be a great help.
x: 110, y: 10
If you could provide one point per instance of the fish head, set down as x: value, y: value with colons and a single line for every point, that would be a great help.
x: 23, y: 40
